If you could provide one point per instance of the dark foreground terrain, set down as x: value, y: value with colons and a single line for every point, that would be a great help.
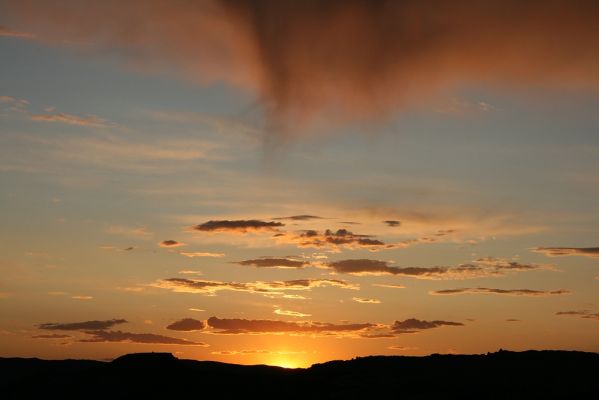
x: 501, y: 375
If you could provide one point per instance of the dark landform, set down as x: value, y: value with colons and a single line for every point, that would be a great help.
x: 500, y: 375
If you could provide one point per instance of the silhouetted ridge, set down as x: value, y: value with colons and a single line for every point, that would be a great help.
x: 502, y: 375
x: 146, y: 359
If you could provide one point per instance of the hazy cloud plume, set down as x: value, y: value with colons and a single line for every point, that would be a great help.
x: 350, y: 59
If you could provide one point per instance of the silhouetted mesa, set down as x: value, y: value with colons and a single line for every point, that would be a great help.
x: 502, y: 375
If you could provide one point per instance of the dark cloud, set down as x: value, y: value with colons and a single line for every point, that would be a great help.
x: 586, y: 314
x: 392, y: 223
x: 81, y: 326
x: 508, y: 292
x: 186, y: 325
x: 272, y: 262
x: 240, y: 226
x: 412, y: 325
x: 513, y: 320
x: 261, y: 287
x: 143, y: 338
x: 332, y: 239
x: 479, y: 268
x: 238, y: 326
x: 568, y: 251
x: 52, y: 336
x: 347, y: 59
x: 304, y: 217
x: 170, y: 243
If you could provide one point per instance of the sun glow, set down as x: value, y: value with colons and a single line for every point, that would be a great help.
x: 285, y: 363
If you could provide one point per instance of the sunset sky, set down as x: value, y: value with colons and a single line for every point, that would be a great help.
x: 290, y: 182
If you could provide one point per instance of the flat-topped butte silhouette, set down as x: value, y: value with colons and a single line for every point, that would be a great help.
x: 500, y: 375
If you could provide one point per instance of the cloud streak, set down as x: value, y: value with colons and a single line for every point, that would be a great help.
x: 506, y: 292
x: 69, y: 119
x: 186, y: 325
x: 586, y: 314
x: 273, y: 262
x: 568, y: 251
x: 248, y: 326
x: 81, y: 326
x: 141, y: 338
x: 413, y: 325
x: 238, y: 226
x: 482, y: 267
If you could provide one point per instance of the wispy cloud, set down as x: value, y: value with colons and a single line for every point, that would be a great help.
x: 366, y: 301
x: 193, y: 254
x: 51, y: 336
x: 130, y: 232
x: 209, y: 287
x: 141, y: 338
x: 303, y: 217
x: 586, y: 314
x: 248, y: 326
x: 273, y: 262
x: 81, y: 326
x: 507, y: 292
x: 289, y: 313
x: 70, y: 119
x: 568, y: 251
x: 5, y: 31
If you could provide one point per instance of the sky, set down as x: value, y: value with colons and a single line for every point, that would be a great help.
x: 286, y: 183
